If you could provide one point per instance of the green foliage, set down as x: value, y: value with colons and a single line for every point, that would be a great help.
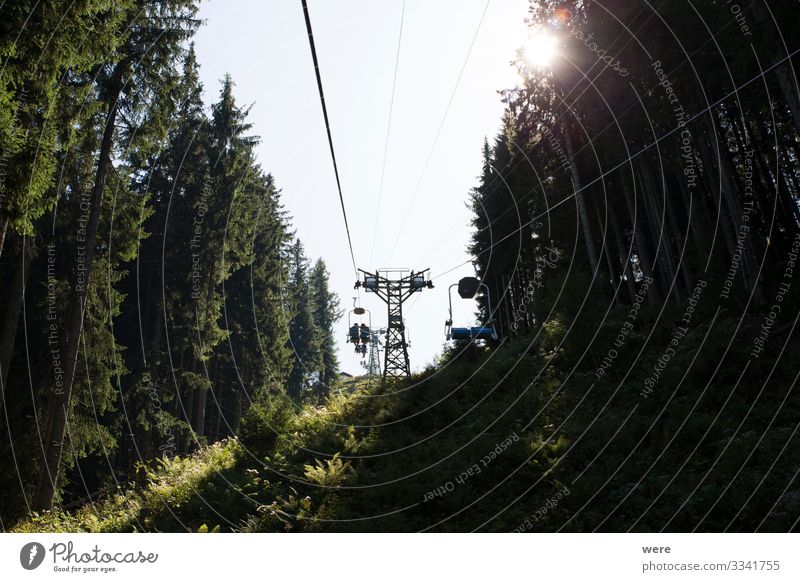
x: 35, y: 87
x: 325, y: 306
x: 264, y: 423
x: 528, y: 416
x: 204, y: 317
x: 305, y: 340
x: 188, y: 303
x: 170, y: 483
x: 329, y: 473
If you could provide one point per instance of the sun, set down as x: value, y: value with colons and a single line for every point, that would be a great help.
x: 540, y: 50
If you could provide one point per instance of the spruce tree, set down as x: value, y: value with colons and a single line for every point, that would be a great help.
x: 154, y: 35
x: 326, y: 310
x: 304, y: 338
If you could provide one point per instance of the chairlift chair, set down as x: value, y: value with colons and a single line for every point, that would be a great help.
x: 359, y: 332
x: 468, y: 287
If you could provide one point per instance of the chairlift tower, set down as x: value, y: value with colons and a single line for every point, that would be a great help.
x: 394, y: 288
x: 374, y: 362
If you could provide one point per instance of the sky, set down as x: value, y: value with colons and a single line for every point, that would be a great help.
x: 419, y: 218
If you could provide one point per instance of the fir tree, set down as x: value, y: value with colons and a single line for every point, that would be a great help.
x: 326, y: 311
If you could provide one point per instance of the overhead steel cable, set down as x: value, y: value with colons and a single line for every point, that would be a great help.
x: 439, y: 130
x: 451, y: 231
x: 388, y: 131
x: 328, y: 130
x: 629, y: 159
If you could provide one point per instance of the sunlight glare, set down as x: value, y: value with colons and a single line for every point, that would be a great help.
x: 540, y: 50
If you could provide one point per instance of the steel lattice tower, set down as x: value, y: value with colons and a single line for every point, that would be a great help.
x: 374, y: 362
x: 394, y: 292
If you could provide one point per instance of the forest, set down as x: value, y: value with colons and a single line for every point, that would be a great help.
x: 167, y: 351
x: 152, y: 277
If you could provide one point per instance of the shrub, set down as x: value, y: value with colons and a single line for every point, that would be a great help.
x: 263, y: 423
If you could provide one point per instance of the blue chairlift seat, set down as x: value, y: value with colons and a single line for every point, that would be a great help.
x: 460, y: 333
x: 473, y: 333
x: 468, y: 288
x: 483, y: 333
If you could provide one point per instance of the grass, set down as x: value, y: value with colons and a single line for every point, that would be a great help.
x: 170, y: 484
x: 489, y: 439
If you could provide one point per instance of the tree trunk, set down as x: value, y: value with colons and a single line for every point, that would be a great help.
x: 623, y: 253
x: 583, y: 213
x: 59, y: 411
x: 642, y: 244
x: 218, y: 428
x: 680, y: 243
x: 711, y: 173
x: 748, y: 263
x: 658, y: 223
x: 236, y: 410
x: 698, y: 221
x: 613, y: 280
x: 201, y: 396
x: 188, y: 416
x: 11, y: 320
x: 3, y: 230
x: 199, y: 412
x: 783, y: 72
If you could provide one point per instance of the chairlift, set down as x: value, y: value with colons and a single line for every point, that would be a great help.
x: 468, y: 287
x: 358, y: 332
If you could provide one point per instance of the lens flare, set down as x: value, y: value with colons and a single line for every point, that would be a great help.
x: 540, y: 50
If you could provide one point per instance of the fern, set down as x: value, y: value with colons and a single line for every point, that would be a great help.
x: 332, y: 473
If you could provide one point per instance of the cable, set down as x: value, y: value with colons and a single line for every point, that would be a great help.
x: 455, y: 226
x: 579, y: 150
x: 439, y: 131
x: 388, y: 132
x: 328, y: 130
x: 430, y: 154
x: 628, y: 160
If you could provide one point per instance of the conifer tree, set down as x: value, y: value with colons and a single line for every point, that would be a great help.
x: 154, y: 34
x: 327, y: 312
x: 304, y: 337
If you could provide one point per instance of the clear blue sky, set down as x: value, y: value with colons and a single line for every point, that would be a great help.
x: 263, y: 45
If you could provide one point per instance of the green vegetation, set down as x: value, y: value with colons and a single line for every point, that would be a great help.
x: 170, y: 483
x: 488, y: 440
x: 156, y: 285
x: 167, y: 351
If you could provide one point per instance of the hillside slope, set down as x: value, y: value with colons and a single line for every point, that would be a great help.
x: 524, y: 437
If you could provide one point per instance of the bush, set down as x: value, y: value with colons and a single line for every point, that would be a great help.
x: 263, y: 423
